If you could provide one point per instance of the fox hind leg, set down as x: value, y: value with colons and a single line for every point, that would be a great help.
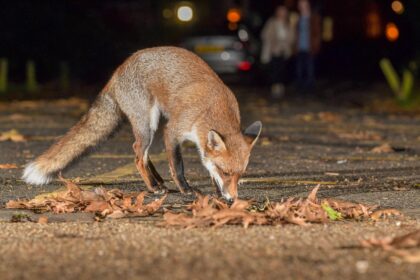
x: 144, y: 126
x: 154, y: 171
x: 152, y: 179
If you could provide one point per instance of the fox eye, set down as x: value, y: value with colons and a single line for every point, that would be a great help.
x: 226, y: 174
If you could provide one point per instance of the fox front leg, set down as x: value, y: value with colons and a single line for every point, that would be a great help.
x: 176, y: 164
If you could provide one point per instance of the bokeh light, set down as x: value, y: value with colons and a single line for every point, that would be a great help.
x: 167, y: 13
x: 398, y: 7
x: 392, y: 33
x: 243, y: 35
x: 185, y: 13
x: 233, y: 15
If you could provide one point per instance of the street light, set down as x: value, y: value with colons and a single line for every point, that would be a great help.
x: 391, y: 31
x: 397, y: 7
x: 184, y: 13
x: 233, y: 15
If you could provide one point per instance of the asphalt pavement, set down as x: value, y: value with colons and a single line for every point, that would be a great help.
x: 356, y: 152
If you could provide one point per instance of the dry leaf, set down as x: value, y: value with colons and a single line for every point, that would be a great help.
x: 349, y: 209
x: 380, y: 214
x: 265, y: 141
x: 329, y: 117
x: 12, y: 135
x: 308, y: 117
x: 410, y: 240
x: 401, y: 246
x: 97, y: 206
x: 381, y: 149
x: 116, y: 214
x: 358, y: 135
x: 15, y: 117
x: 8, y: 166
x: 407, y: 256
x: 43, y: 220
x: 208, y: 211
x: 113, y: 203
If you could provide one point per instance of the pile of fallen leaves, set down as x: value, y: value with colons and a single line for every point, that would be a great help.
x: 205, y: 211
x: 108, y: 203
x: 208, y: 211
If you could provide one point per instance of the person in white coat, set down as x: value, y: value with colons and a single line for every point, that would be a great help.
x: 277, y: 47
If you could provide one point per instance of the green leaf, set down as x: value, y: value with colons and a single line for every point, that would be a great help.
x: 332, y: 214
x: 407, y: 85
x: 391, y: 75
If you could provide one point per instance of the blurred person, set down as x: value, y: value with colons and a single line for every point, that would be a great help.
x: 308, y: 43
x: 277, y: 38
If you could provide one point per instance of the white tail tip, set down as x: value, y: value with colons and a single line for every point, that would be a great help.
x: 33, y: 175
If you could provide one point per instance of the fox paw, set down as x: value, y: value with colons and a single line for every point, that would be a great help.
x: 160, y: 190
x: 192, y: 192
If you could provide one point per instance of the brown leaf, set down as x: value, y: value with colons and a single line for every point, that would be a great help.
x: 140, y: 200
x: 43, y: 220
x: 358, y: 135
x: 240, y: 204
x: 381, y: 149
x: 349, y: 209
x: 15, y: 117
x: 407, y: 256
x: 73, y: 190
x: 208, y: 211
x: 118, y: 214
x: 312, y: 195
x: 12, y: 135
x: 329, y: 117
x: 153, y: 206
x: 16, y: 204
x: 409, y: 240
x: 8, y: 166
x: 97, y: 206
x: 383, y: 243
x: 100, y: 200
x: 380, y: 214
x: 180, y: 219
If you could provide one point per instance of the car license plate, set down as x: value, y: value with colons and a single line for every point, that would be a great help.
x: 208, y: 48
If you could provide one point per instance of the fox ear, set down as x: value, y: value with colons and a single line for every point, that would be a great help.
x: 215, y: 141
x: 252, y: 132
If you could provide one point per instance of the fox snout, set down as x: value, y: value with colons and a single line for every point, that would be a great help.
x: 227, y: 186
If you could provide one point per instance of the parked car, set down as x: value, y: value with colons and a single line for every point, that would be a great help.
x: 229, y: 53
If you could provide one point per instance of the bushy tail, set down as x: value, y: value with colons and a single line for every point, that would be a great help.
x: 97, y: 124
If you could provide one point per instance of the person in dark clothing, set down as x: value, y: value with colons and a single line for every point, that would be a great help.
x: 308, y: 43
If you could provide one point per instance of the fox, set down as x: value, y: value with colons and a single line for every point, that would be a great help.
x: 177, y: 85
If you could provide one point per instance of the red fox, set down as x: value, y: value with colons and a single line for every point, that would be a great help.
x: 178, y: 85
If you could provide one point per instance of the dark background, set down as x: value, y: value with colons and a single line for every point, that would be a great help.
x: 94, y: 36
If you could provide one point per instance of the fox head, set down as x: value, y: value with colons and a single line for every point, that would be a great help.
x: 226, y: 157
